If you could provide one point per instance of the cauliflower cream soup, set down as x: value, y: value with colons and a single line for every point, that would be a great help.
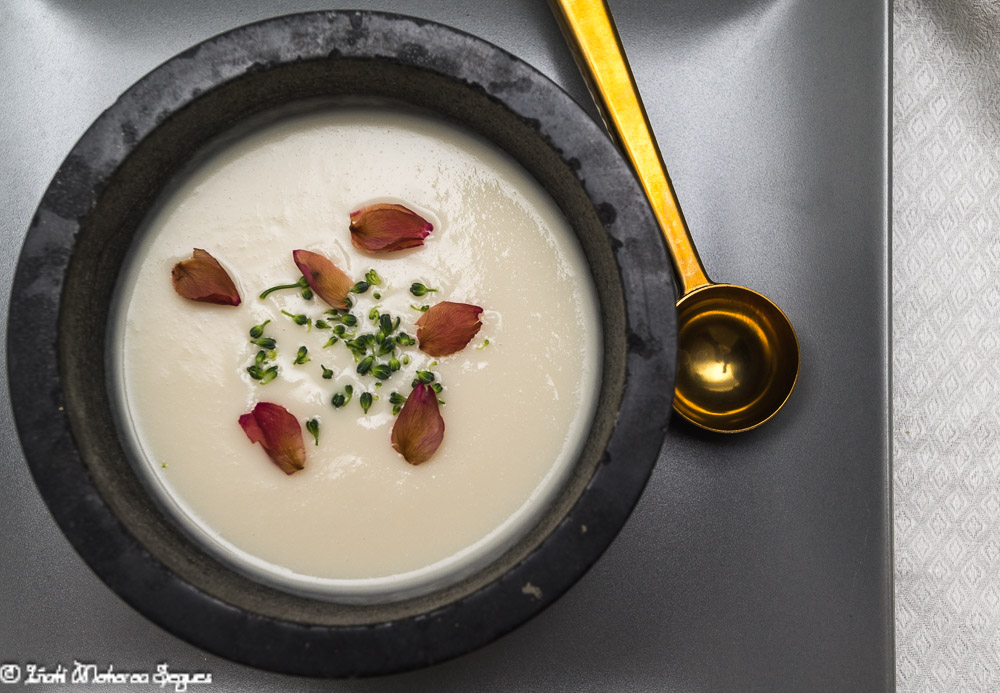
x: 357, y: 523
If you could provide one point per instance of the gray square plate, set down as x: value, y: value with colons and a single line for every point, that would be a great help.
x: 755, y: 562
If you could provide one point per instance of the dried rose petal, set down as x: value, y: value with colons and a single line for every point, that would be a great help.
x: 202, y: 278
x: 419, y: 428
x: 448, y: 327
x: 279, y: 433
x: 324, y: 278
x: 386, y: 228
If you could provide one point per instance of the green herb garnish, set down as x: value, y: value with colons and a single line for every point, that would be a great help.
x: 418, y: 289
x: 263, y: 375
x: 365, y: 365
x: 365, y: 400
x: 302, y: 356
x: 299, y: 319
x: 300, y: 284
x: 342, y: 398
x: 312, y: 425
x: 258, y: 330
x: 397, y: 401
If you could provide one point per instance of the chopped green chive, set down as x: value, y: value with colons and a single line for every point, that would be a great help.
x: 302, y: 356
x: 264, y: 375
x: 300, y: 284
x: 331, y: 341
x: 322, y: 324
x: 360, y: 288
x: 327, y: 373
x: 422, y: 309
x: 264, y: 342
x: 418, y: 289
x: 312, y: 425
x: 365, y: 400
x: 299, y: 319
x: 385, y: 323
x: 365, y: 365
x: 376, y: 295
x: 482, y: 346
x: 371, y: 276
x: 258, y: 330
x: 381, y: 371
x: 403, y: 339
x: 394, y: 364
x: 342, y: 398
x: 256, y: 372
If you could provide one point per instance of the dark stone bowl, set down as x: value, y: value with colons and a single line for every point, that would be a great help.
x: 80, y: 236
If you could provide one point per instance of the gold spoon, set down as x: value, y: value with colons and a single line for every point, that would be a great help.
x: 738, y: 357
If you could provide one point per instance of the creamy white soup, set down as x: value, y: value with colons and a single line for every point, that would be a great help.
x: 359, y: 522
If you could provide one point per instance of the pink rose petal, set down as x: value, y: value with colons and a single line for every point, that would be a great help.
x: 325, y: 279
x: 203, y: 279
x: 385, y: 228
x: 279, y: 433
x: 448, y: 327
x: 419, y: 428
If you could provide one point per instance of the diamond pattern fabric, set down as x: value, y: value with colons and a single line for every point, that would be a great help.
x: 946, y: 331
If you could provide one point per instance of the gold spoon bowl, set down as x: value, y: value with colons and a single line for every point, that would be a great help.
x: 734, y: 347
x: 738, y: 356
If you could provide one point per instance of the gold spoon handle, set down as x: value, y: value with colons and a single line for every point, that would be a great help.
x: 591, y: 33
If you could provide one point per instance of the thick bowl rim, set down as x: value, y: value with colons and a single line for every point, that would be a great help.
x: 68, y: 487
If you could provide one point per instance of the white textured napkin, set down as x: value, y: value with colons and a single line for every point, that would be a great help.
x: 946, y: 343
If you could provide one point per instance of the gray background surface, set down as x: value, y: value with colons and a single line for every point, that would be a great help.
x: 756, y: 562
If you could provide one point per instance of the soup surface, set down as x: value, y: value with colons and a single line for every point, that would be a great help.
x: 358, y: 521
